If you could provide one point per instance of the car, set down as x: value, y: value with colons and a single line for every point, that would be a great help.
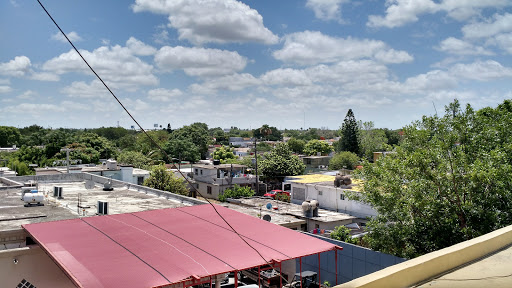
x: 272, y: 194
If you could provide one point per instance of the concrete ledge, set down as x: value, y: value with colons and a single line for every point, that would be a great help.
x: 436, y: 263
x: 10, y: 183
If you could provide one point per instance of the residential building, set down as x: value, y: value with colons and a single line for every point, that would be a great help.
x: 241, y: 142
x: 321, y: 187
x: 212, y: 180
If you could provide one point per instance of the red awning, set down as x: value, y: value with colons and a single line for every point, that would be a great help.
x: 159, y: 247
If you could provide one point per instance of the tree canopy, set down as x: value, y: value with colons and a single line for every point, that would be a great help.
x: 280, y: 162
x: 268, y: 133
x: 449, y: 181
x: 349, y: 134
x: 344, y: 160
x: 160, y: 178
x: 314, y: 147
x: 223, y: 154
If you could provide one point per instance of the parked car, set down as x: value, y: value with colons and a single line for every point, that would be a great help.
x: 272, y: 194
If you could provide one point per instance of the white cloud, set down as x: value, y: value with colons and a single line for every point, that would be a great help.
x: 460, y: 47
x: 29, y: 94
x: 286, y: 77
x: 363, y: 71
x: 73, y: 36
x: 200, y: 61
x: 312, y: 47
x: 326, y: 9
x: 504, y: 41
x: 18, y: 67
x: 393, y: 56
x: 497, y: 25
x: 34, y: 108
x: 116, y: 65
x: 204, y: 21
x: 5, y: 89
x: 164, y: 95
x: 80, y: 89
x: 44, y: 76
x: 401, y: 12
x: 481, y: 71
x: 234, y: 82
x: 140, y: 48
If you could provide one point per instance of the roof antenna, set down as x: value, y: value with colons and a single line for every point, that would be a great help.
x: 434, y: 106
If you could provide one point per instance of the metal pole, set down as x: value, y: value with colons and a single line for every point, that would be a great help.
x: 319, y: 283
x: 336, y: 264
x: 280, y: 275
x: 256, y: 167
x: 300, y: 275
x: 236, y: 278
x: 259, y: 273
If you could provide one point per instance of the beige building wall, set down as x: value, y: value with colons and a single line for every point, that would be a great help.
x: 32, y: 264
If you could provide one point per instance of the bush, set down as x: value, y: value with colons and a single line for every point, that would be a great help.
x: 342, y: 233
x: 344, y: 159
x: 236, y: 192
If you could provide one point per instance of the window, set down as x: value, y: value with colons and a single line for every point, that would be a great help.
x: 342, y: 196
x: 140, y: 180
x: 317, y: 226
x: 320, y: 193
x: 201, y: 171
x: 208, y: 189
x: 195, y: 171
x: 299, y: 193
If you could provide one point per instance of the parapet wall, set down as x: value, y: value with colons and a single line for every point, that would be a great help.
x: 78, y: 177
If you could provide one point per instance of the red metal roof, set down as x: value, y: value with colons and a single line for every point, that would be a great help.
x: 158, y: 247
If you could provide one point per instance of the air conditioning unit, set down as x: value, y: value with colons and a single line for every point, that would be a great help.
x: 57, y: 192
x: 102, y: 208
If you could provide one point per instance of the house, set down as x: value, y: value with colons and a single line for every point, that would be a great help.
x: 321, y: 187
x: 212, y: 180
x: 241, y: 142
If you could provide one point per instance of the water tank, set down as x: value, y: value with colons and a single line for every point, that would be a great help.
x: 306, y: 208
x: 216, y: 162
x: 314, y: 207
x: 34, y: 197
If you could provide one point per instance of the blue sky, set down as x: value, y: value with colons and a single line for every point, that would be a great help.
x: 247, y: 63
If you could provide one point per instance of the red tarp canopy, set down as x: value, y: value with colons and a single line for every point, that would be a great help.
x: 159, y: 247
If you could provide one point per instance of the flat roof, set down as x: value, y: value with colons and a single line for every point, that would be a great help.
x: 285, y: 208
x: 220, y: 166
x: 324, y: 180
x: 161, y: 247
x: 121, y: 200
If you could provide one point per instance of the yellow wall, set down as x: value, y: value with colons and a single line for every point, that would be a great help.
x: 430, y: 265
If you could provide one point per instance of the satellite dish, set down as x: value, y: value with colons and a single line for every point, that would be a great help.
x: 269, y: 206
x: 89, y: 184
x: 267, y: 217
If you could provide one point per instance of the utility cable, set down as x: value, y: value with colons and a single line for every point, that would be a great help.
x: 144, y: 131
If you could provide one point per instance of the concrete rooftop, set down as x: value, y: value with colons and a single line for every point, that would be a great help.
x: 491, y: 271
x: 295, y: 210
x: 121, y: 200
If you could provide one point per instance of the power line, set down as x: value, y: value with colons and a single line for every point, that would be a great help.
x: 144, y: 131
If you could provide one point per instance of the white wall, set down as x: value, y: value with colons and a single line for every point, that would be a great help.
x: 331, y: 198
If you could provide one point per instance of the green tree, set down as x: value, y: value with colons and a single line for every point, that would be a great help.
x: 159, y: 178
x: 313, y: 147
x: 196, y: 133
x: 267, y: 133
x: 147, y: 147
x: 223, y: 154
x: 9, y: 136
x: 101, y: 144
x: 296, y: 145
x: 371, y: 140
x: 449, y: 181
x: 349, y: 134
x: 280, y: 162
x: 345, y: 159
x: 134, y: 158
x: 81, y: 152
x: 236, y: 192
x: 182, y: 149
x: 342, y: 233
